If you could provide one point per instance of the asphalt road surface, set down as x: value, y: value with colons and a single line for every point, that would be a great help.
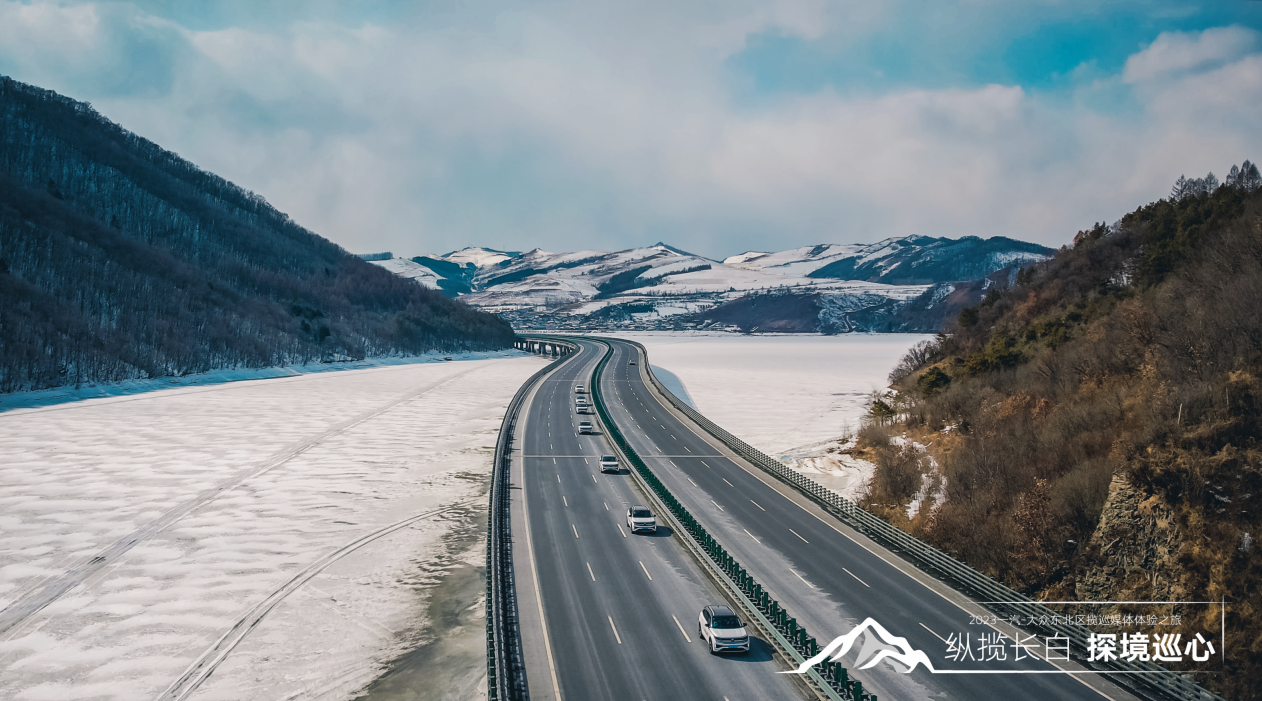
x: 828, y: 580
x: 620, y: 609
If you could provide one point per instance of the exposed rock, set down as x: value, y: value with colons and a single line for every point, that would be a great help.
x: 1132, y: 553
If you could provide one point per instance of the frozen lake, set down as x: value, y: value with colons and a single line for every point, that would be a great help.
x: 779, y: 393
x: 787, y: 395
x: 242, y: 499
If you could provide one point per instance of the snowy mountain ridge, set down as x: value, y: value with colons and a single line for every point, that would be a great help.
x: 836, y: 287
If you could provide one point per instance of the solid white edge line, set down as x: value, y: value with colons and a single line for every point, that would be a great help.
x: 615, y: 630
x: 681, y: 630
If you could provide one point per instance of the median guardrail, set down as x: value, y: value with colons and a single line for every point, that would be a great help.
x: 829, y: 677
x: 505, y: 664
x: 1144, y: 677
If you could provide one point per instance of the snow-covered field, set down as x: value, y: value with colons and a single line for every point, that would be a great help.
x: 242, y: 499
x: 790, y: 396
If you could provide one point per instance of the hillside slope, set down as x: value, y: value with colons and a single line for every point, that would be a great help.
x: 1098, y: 425
x: 120, y: 260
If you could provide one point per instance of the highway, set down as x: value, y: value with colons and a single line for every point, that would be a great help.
x: 829, y: 579
x: 605, y: 614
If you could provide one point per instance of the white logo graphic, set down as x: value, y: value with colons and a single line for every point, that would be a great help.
x: 879, y: 644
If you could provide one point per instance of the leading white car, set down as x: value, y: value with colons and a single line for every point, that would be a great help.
x: 609, y: 463
x: 722, y: 630
x: 639, y: 518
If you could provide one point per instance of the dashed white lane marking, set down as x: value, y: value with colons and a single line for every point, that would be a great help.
x: 615, y: 630
x: 624, y: 533
x: 646, y: 570
x: 575, y: 530
x: 594, y: 479
x: 756, y: 504
x: 693, y: 483
x: 681, y: 630
x: 728, y: 483
x: 852, y: 574
x: 606, y: 505
x: 589, y: 571
x: 939, y: 637
x: 558, y: 479
x: 751, y: 535
x: 720, y: 507
x: 804, y: 540
x: 795, y: 574
x: 567, y: 501
x: 585, y: 461
x: 554, y: 461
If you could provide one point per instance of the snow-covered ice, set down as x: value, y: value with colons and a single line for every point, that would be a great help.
x: 791, y: 395
x: 308, y: 463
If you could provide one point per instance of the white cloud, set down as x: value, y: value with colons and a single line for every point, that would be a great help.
x: 569, y: 126
x: 1177, y: 52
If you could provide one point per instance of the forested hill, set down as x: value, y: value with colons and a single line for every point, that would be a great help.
x: 121, y: 260
x: 1098, y: 425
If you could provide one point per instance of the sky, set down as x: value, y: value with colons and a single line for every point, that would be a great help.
x: 717, y: 126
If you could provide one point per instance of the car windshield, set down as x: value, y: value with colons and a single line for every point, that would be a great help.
x: 608, y: 458
x: 726, y: 622
x: 641, y: 513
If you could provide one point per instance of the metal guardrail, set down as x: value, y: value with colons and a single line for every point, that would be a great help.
x: 1139, y: 676
x: 829, y: 677
x: 505, y: 664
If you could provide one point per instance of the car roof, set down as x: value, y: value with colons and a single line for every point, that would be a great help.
x: 721, y: 610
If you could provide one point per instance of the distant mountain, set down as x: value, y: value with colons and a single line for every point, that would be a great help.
x: 901, y: 284
x: 121, y: 260
x: 914, y: 260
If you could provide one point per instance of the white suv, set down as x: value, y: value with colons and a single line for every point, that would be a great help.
x: 639, y: 518
x: 584, y: 427
x: 722, y: 630
x: 579, y: 389
x: 608, y: 463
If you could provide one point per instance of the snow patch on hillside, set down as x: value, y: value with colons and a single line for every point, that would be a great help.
x: 410, y: 270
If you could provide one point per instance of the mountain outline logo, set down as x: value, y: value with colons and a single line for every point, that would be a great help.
x: 874, y: 650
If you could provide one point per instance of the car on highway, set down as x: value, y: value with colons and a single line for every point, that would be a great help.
x: 609, y: 463
x: 584, y: 409
x: 722, y: 630
x: 584, y: 427
x: 639, y: 518
x: 580, y: 401
x: 631, y: 363
x: 579, y: 389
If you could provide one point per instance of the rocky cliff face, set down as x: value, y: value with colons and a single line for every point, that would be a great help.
x: 1133, y: 553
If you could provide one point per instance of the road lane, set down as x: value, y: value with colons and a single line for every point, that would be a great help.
x: 617, y: 607
x: 827, y: 580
